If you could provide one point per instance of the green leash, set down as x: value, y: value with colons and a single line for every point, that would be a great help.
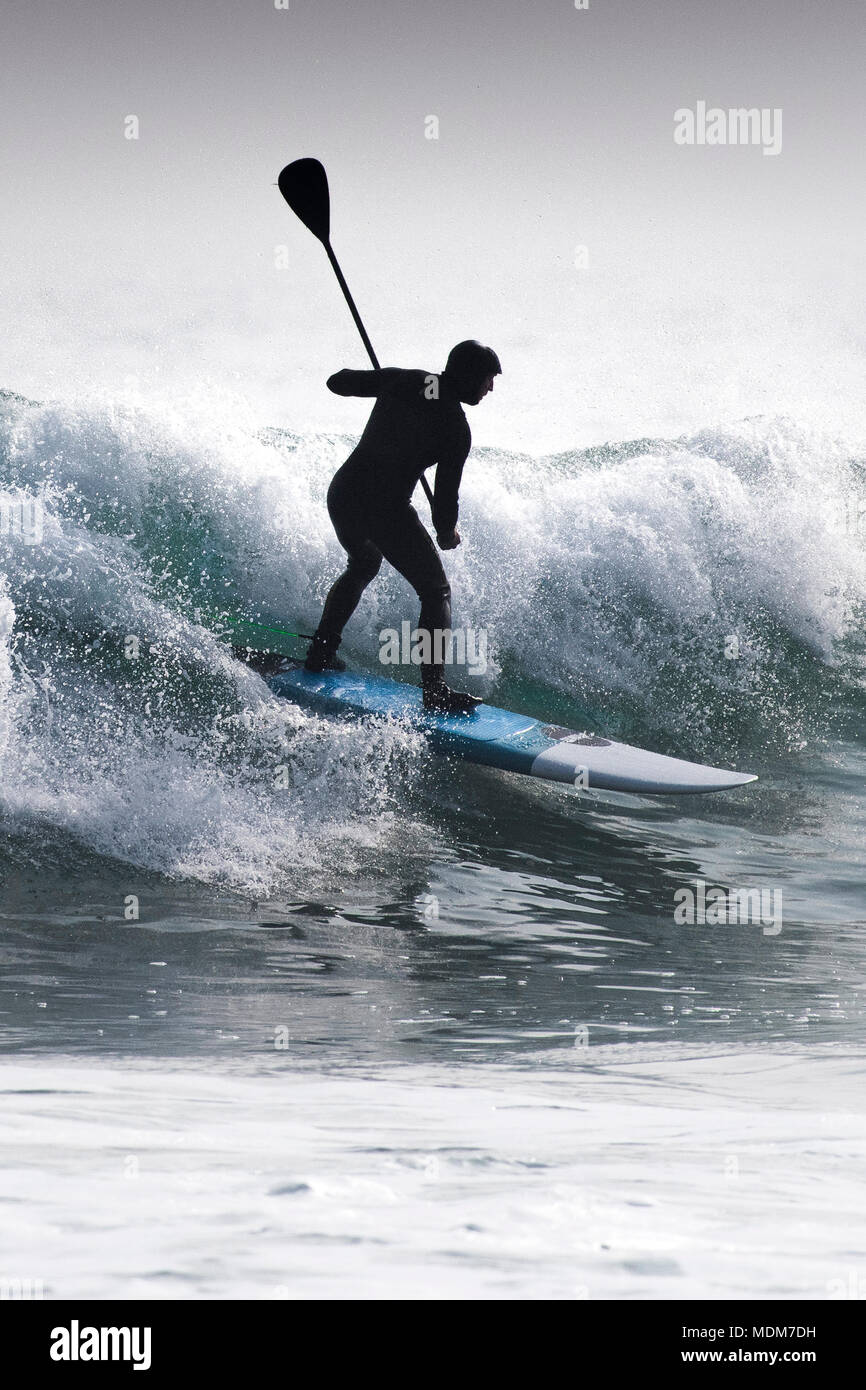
x: 284, y: 632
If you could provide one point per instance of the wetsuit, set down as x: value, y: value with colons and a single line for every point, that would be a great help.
x: 417, y: 421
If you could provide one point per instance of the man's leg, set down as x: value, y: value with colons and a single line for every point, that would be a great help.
x: 408, y: 546
x: 345, y: 593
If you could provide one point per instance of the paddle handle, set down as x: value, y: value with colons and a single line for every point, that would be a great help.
x: 341, y: 280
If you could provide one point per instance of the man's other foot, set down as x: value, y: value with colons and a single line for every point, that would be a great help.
x: 322, y: 655
x: 263, y: 663
x: 439, y: 698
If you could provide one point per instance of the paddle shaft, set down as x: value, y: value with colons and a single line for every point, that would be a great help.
x: 351, y: 303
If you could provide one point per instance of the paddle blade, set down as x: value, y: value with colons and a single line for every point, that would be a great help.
x: 304, y: 185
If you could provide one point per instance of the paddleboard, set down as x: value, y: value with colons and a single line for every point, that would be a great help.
x: 500, y: 738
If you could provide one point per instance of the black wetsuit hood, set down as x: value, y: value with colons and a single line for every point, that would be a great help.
x: 468, y: 367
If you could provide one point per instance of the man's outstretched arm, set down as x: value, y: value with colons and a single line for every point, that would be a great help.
x: 350, y: 383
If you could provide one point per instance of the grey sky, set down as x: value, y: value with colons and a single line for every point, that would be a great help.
x: 556, y: 130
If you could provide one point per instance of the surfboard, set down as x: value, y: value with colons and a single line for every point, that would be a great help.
x: 500, y: 738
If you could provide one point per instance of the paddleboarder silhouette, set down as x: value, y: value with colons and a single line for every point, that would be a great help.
x: 417, y: 421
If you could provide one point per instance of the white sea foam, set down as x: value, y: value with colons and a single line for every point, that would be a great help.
x: 615, y: 576
x: 723, y: 1175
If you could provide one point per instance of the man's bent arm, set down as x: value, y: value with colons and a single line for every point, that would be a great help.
x: 449, y: 471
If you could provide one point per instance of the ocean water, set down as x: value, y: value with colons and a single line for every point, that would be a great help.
x: 291, y: 1008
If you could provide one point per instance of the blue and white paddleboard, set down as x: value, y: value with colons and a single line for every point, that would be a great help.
x: 500, y: 738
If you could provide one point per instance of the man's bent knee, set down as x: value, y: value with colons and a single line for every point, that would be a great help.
x: 363, y: 568
x: 435, y: 593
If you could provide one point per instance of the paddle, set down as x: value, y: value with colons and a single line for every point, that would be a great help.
x: 304, y: 185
